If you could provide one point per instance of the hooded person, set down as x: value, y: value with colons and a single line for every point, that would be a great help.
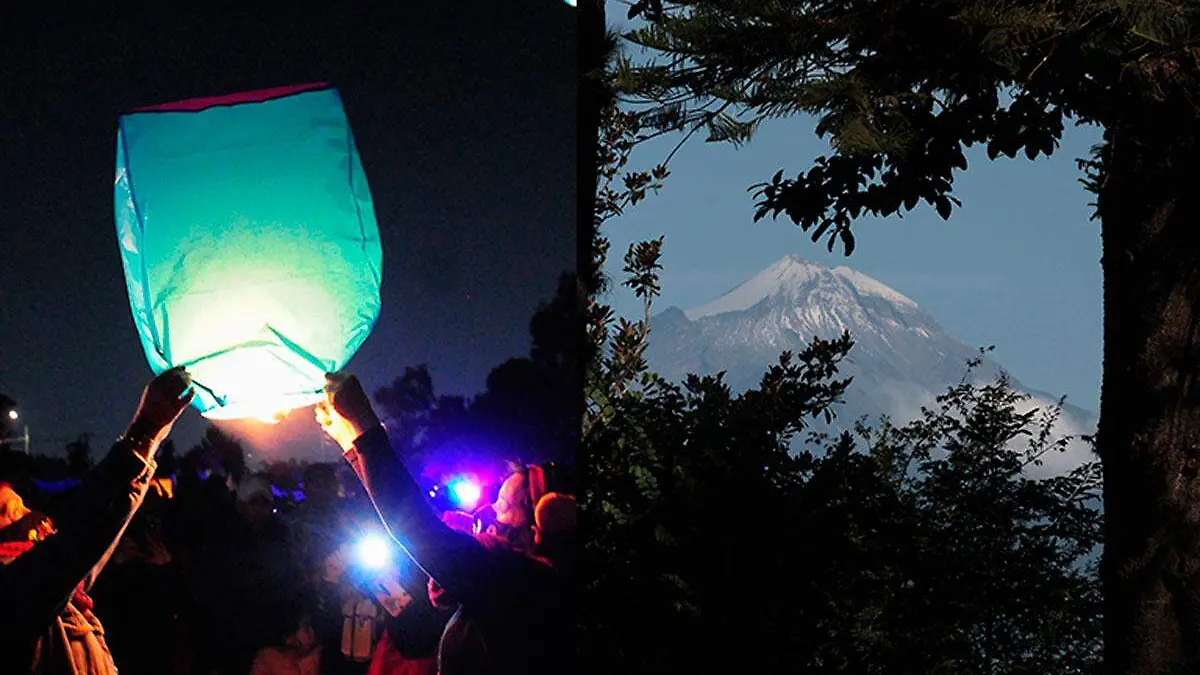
x: 48, y: 626
x: 514, y: 615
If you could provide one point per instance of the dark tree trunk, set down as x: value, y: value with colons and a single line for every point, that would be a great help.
x: 1149, y: 436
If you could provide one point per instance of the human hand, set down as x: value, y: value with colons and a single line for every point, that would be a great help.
x: 346, y: 412
x: 438, y: 597
x: 163, y: 401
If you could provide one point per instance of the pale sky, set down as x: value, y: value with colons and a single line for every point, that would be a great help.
x: 1017, y: 267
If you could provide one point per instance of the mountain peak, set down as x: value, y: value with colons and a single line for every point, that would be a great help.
x: 868, y: 286
x: 788, y: 276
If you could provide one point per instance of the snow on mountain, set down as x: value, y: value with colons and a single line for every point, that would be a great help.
x: 787, y: 277
x: 902, y: 359
x: 866, y: 285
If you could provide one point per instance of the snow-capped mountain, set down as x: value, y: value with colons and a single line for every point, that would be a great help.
x: 901, y: 360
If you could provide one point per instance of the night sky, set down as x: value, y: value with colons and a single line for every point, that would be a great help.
x: 464, y: 116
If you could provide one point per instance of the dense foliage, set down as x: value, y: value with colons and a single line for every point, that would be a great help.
x: 924, y: 548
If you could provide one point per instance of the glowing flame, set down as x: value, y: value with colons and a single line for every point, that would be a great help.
x: 275, y: 417
x: 267, y: 412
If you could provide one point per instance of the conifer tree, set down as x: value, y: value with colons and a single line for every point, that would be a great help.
x: 900, y: 88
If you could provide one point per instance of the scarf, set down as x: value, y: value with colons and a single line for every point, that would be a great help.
x: 83, y: 638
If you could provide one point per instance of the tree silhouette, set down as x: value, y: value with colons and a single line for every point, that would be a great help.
x: 529, y: 411
x: 410, y: 398
x: 79, y: 456
x: 216, y: 451
x: 900, y: 89
x: 285, y: 475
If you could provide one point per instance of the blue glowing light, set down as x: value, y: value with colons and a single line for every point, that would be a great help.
x: 373, y: 552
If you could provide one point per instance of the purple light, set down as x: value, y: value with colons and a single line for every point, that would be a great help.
x: 465, y: 492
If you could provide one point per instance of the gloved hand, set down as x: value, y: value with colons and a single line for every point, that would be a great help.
x: 163, y: 401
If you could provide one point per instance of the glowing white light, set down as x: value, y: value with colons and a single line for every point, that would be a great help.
x: 466, y: 493
x: 373, y: 552
x: 234, y: 342
x: 570, y: 2
x: 12, y: 414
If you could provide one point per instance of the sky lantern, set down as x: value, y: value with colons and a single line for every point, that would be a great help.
x: 249, y: 242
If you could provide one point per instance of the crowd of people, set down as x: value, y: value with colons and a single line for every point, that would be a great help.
x: 364, y: 576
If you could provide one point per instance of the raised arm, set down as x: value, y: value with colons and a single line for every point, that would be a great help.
x: 457, y: 561
x: 40, y: 581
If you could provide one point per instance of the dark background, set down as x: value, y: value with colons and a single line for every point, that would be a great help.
x: 464, y: 115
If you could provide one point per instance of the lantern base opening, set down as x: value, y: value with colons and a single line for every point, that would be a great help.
x: 270, y: 411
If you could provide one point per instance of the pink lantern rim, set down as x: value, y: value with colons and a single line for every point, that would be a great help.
x: 256, y: 96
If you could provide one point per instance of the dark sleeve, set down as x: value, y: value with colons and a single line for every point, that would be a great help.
x: 455, y: 560
x: 35, y: 586
x: 418, y: 630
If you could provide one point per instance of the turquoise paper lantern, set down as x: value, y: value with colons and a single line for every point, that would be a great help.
x: 248, y: 237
